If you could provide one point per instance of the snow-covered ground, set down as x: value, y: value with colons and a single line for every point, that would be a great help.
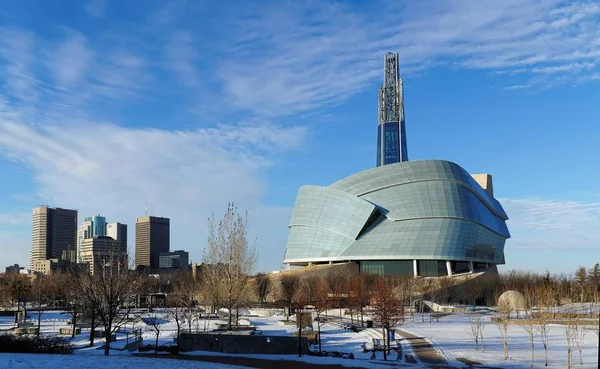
x: 451, y: 335
x: 33, y: 361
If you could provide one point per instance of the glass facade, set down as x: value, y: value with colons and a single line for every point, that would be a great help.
x: 395, y: 268
x: 379, y: 145
x: 98, y: 226
x: 432, y: 268
x: 391, y: 139
x: 427, y: 210
x: 391, y: 143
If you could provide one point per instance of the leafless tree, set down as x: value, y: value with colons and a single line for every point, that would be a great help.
x: 230, y: 256
x: 299, y: 301
x: 262, y: 287
x: 107, y: 290
x: 17, y: 290
x: 321, y: 302
x: 476, y: 325
x: 387, y: 308
x: 289, y: 285
x: 579, y: 338
x: 43, y: 289
x: 185, y: 287
x: 502, y: 322
x: 570, y: 329
x: 155, y: 322
x: 359, y: 294
x: 338, y: 284
x: 72, y: 300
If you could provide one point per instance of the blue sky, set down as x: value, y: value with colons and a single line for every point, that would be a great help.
x: 186, y: 105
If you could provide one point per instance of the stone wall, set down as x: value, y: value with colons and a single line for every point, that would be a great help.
x: 241, y: 344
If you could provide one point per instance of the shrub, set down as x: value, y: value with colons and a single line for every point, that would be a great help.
x: 34, y: 345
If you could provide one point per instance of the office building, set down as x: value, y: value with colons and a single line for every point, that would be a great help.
x: 54, y: 230
x: 100, y: 252
x: 391, y: 129
x: 91, y: 227
x: 178, y: 259
x: 118, y: 231
x: 151, y: 239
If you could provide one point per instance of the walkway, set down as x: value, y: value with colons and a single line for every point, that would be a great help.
x: 424, y: 350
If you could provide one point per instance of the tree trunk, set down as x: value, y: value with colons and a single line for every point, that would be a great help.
x: 362, y: 323
x: 532, y: 351
x: 92, y: 327
x: 319, y: 332
x: 546, y: 354
x: 39, y: 321
x: 156, y: 341
x: 107, y: 339
x: 384, y: 344
x: 299, y: 334
x: 229, y: 320
x: 74, y: 324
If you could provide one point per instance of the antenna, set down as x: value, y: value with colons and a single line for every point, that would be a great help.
x: 146, y: 209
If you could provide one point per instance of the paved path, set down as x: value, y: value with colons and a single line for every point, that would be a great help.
x: 424, y: 350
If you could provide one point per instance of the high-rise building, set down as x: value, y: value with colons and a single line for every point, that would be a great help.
x: 118, y: 231
x: 101, y: 252
x: 391, y: 130
x: 91, y: 227
x: 151, y: 239
x: 177, y: 259
x: 54, y: 231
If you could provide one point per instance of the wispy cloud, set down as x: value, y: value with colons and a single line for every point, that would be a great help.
x: 70, y: 60
x: 185, y: 175
x: 537, y: 224
x: 295, y: 57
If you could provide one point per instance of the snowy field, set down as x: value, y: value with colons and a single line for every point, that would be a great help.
x: 450, y: 336
x: 32, y: 361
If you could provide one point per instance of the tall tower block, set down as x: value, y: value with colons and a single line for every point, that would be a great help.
x: 391, y: 130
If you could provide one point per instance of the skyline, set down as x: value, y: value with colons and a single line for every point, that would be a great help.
x: 107, y: 106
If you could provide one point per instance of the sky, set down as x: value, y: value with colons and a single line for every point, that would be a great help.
x: 187, y: 105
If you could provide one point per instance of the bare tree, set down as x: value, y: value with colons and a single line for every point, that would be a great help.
x: 42, y: 292
x: 289, y: 285
x: 338, y: 284
x: 262, y: 287
x: 154, y: 321
x: 502, y: 322
x: 107, y: 290
x: 321, y: 302
x: 570, y: 329
x: 475, y: 323
x: 299, y: 301
x: 387, y: 308
x: 579, y: 339
x: 230, y: 256
x: 185, y: 287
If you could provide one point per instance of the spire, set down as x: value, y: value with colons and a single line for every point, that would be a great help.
x: 391, y: 131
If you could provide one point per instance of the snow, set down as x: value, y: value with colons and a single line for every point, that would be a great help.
x: 451, y: 336
x: 37, y: 361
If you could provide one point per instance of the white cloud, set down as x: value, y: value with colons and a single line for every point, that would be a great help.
x: 553, y: 224
x: 70, y: 60
x: 296, y: 57
x: 183, y: 175
x: 17, y: 52
x: 181, y: 57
